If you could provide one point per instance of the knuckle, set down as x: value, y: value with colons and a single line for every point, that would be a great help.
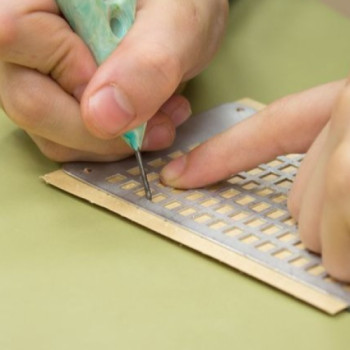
x: 56, y: 152
x: 64, y: 58
x: 271, y: 114
x: 25, y: 104
x: 165, y: 66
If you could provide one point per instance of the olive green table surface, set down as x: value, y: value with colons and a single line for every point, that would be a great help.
x: 74, y: 276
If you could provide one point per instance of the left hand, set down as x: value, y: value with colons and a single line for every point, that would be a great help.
x: 316, y: 121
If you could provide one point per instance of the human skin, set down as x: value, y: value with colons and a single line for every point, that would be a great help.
x: 316, y: 121
x: 51, y: 87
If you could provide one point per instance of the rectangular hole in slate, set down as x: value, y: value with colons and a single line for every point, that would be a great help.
x: 209, y: 202
x: 256, y: 222
x: 177, y: 191
x: 134, y: 171
x: 293, y: 156
x: 271, y: 230
x: 140, y: 193
x: 152, y: 177
x: 224, y: 209
x: 259, y: 207
x: 289, y: 169
x: 233, y: 232
x: 187, y: 212
x: 269, y: 177
x: 284, y: 183
x: 289, y: 221
x: 240, y: 216
x: 299, y: 245
x: 316, y: 270
x: 160, y: 185
x: 329, y: 279
x: 286, y: 237
x: 281, y: 198
x: 245, y: 200
x: 203, y: 218
x: 117, y: 178
x: 250, y: 185
x: 274, y: 163
x: 229, y: 193
x: 214, y: 188
x: 282, y: 254
x: 192, y: 147
x: 130, y: 185
x: 346, y: 287
x: 299, y: 261
x: 175, y: 154
x: 264, y: 192
x: 158, y: 198
x: 265, y: 247
x: 218, y: 225
x: 255, y: 171
x: 173, y: 205
x: 157, y: 163
x: 249, y: 239
x: 195, y: 196
x: 236, y: 180
x: 276, y: 213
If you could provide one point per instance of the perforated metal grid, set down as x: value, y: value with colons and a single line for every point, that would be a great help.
x: 246, y: 214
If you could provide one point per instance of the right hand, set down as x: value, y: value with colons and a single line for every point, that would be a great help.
x: 45, y: 69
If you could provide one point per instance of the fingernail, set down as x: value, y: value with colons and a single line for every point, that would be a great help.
x: 173, y: 170
x: 110, y: 110
x: 178, y: 112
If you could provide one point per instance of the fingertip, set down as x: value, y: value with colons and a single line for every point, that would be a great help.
x: 338, y: 270
x: 172, y: 173
x: 293, y: 204
x: 309, y: 236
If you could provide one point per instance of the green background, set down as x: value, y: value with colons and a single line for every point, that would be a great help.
x: 73, y: 276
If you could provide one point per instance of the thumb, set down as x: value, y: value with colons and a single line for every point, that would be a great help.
x: 288, y: 125
x: 162, y: 48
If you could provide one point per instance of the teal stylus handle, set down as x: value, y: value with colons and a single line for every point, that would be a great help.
x: 102, y: 24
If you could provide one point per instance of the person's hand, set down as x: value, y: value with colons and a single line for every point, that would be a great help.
x: 317, y: 121
x: 46, y: 70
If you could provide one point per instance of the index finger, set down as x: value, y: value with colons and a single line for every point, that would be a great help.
x: 288, y: 125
